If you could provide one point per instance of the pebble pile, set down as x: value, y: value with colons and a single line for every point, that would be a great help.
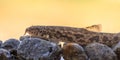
x: 28, y: 48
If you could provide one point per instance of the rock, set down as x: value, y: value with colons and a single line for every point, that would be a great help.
x: 11, y: 44
x: 38, y: 49
x: 0, y: 43
x: 9, y: 55
x: 73, y: 51
x: 116, y: 49
x: 97, y: 51
x: 24, y: 37
x: 15, y: 56
x: 4, y: 54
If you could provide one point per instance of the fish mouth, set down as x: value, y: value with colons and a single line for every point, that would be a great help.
x: 26, y: 34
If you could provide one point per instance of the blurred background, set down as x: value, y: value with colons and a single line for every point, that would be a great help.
x: 16, y: 15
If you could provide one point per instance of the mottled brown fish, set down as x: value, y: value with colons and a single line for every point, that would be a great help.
x: 81, y: 36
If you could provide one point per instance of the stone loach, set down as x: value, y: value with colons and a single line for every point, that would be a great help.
x: 80, y: 36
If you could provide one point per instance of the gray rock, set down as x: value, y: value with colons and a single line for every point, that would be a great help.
x: 4, y: 54
x: 38, y: 49
x: 116, y: 49
x: 24, y: 37
x: 14, y: 55
x: 73, y: 51
x: 0, y: 43
x: 11, y: 44
x: 97, y: 51
x: 9, y: 55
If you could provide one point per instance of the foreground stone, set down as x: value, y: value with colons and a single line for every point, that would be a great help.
x: 0, y: 43
x: 10, y: 44
x: 73, y: 51
x: 97, y: 51
x: 38, y: 49
x: 116, y: 49
x: 4, y: 54
x: 24, y: 38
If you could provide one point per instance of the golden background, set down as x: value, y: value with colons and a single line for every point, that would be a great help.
x: 16, y: 15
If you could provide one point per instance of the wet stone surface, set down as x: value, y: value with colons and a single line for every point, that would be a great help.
x: 24, y: 38
x: 0, y: 43
x: 38, y: 49
x: 31, y: 48
x: 97, y: 51
x: 116, y: 49
x: 73, y: 51
x: 10, y: 44
x: 4, y: 54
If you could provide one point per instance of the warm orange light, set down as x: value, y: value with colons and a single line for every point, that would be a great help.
x: 16, y: 15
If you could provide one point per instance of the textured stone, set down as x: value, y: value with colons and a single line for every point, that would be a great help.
x: 97, y: 51
x: 24, y: 37
x: 9, y: 55
x: 4, y: 54
x: 10, y: 44
x: 0, y: 43
x: 73, y: 51
x: 14, y: 55
x: 116, y: 49
x: 38, y: 49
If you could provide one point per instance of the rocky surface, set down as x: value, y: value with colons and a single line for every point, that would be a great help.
x: 116, y: 49
x: 73, y: 51
x: 38, y: 49
x: 97, y: 51
x: 0, y: 43
x: 10, y: 44
x: 24, y: 38
x: 4, y: 54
